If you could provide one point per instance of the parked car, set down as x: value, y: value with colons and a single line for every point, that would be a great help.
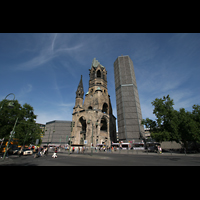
x: 27, y: 152
x: 152, y: 149
x: 15, y: 151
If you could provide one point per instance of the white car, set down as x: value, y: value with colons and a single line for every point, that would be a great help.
x: 27, y: 152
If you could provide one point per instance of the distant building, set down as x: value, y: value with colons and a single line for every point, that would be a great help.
x: 147, y: 132
x: 129, y: 115
x: 42, y: 126
x: 56, y: 132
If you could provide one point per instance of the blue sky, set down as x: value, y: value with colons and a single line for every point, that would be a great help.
x: 44, y: 69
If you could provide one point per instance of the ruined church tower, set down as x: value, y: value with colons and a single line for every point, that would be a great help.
x: 94, y: 116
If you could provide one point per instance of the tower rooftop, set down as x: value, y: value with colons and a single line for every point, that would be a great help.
x: 95, y: 63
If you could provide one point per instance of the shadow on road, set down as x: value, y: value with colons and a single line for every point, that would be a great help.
x: 18, y: 164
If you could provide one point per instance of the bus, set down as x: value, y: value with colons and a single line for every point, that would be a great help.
x: 122, y: 145
x: 12, y: 146
x: 138, y: 145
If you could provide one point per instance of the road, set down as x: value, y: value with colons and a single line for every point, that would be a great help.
x: 104, y: 159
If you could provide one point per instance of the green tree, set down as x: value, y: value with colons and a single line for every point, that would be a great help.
x: 8, y: 117
x: 160, y: 136
x: 188, y: 127
x: 27, y: 131
x: 196, y: 114
x: 172, y: 125
x: 166, y: 120
x: 149, y: 123
x: 163, y: 109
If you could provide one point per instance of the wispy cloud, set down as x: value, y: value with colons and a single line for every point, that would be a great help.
x: 52, y: 45
x: 25, y: 89
x: 24, y: 92
x: 66, y: 104
x: 49, y: 49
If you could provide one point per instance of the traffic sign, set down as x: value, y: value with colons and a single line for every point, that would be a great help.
x: 85, y: 141
x: 37, y: 141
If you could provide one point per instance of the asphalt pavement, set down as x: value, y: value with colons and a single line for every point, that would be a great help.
x: 105, y: 159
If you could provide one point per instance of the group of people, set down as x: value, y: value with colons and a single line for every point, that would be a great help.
x: 79, y: 150
x: 44, y: 152
x: 108, y: 149
x: 41, y: 151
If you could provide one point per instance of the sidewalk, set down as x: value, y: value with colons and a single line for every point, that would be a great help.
x: 131, y: 152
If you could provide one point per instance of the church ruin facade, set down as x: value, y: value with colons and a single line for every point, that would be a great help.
x: 93, y: 120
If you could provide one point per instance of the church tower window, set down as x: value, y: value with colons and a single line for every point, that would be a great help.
x: 98, y: 74
x: 105, y: 108
x: 103, y: 124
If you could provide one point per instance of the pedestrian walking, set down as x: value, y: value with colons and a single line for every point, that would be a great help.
x: 159, y: 149
x: 83, y: 148
x: 20, y: 151
x: 6, y: 153
x: 46, y: 152
x: 70, y: 149
x: 39, y: 152
x: 55, y: 154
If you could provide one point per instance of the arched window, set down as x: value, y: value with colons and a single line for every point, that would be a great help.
x: 105, y: 108
x: 90, y: 107
x: 103, y: 124
x: 83, y: 123
x: 98, y: 74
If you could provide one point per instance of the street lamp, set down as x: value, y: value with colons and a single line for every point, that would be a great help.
x: 72, y: 125
x: 88, y: 122
x: 10, y: 138
x: 10, y: 104
x: 25, y: 138
x: 48, y: 137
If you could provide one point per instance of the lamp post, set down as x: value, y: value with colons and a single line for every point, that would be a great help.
x: 48, y: 137
x: 10, y: 104
x: 10, y: 138
x: 52, y: 135
x: 72, y: 125
x: 92, y: 137
x: 25, y: 138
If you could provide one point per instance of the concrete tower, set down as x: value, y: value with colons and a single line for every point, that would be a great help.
x: 129, y: 114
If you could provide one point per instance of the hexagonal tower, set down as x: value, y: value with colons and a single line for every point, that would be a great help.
x: 129, y: 115
x: 95, y: 115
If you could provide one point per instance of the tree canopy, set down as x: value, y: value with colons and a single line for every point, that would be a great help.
x: 172, y: 125
x: 26, y: 130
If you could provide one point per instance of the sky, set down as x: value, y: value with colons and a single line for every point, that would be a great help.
x: 44, y: 69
